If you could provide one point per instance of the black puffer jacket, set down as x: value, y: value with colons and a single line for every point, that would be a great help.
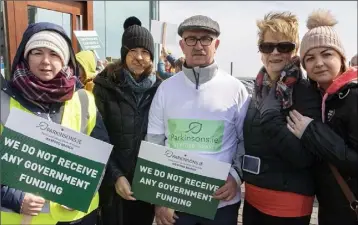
x: 336, y: 142
x: 285, y: 164
x: 126, y: 121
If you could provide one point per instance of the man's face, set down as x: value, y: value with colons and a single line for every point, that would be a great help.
x: 199, y: 52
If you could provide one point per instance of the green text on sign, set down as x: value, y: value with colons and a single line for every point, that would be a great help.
x: 199, y: 135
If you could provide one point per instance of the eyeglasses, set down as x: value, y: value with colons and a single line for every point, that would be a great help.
x: 282, y: 47
x: 204, y: 41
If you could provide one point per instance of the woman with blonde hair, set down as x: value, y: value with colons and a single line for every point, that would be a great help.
x: 335, y: 138
x: 279, y: 187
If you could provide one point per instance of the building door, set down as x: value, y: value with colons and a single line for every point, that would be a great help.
x: 71, y: 15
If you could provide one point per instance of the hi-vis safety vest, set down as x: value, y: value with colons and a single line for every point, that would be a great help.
x: 80, y: 115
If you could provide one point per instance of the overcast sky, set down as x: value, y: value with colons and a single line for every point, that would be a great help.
x: 237, y: 20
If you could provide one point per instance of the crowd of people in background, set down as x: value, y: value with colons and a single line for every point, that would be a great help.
x: 297, y: 129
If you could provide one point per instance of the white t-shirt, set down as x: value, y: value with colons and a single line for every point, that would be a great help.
x: 208, y: 120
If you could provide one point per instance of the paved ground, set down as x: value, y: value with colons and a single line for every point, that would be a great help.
x: 313, y: 216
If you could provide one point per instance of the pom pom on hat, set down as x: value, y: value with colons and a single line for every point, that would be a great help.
x: 321, y: 33
x: 321, y: 18
x: 130, y: 21
x: 136, y: 36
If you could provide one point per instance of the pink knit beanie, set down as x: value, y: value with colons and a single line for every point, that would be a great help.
x: 321, y: 34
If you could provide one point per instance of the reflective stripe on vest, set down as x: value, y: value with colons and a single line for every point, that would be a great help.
x: 80, y: 115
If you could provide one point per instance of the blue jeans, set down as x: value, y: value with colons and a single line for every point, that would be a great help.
x: 226, y: 215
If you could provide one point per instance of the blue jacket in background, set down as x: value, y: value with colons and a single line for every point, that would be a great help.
x: 161, y: 67
x: 12, y: 198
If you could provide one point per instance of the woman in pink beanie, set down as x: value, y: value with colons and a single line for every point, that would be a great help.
x: 335, y: 138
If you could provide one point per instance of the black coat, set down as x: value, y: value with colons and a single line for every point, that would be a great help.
x: 126, y: 121
x: 285, y: 164
x: 336, y: 142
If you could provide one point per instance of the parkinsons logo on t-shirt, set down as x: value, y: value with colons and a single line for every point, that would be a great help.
x: 199, y: 135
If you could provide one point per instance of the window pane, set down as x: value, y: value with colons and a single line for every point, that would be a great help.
x: 3, y: 47
x: 36, y: 15
x: 108, y: 20
x: 99, y: 24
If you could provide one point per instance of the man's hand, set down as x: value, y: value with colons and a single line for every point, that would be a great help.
x: 165, y: 216
x: 123, y: 188
x: 297, y: 123
x: 32, y: 205
x: 228, y: 191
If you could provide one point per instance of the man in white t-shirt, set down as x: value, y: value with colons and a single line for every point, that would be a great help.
x: 202, y: 109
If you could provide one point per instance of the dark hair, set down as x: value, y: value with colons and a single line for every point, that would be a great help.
x: 179, y: 62
x: 115, y: 67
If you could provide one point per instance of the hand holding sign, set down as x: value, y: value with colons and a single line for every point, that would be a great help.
x: 165, y: 216
x: 228, y: 191
x: 164, y: 33
x: 53, y: 161
x: 32, y: 205
x: 123, y: 188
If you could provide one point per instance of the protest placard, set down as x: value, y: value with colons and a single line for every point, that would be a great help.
x: 164, y: 33
x: 50, y: 160
x: 89, y: 40
x: 178, y: 179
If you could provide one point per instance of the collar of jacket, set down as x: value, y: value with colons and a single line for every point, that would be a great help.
x: 200, y: 75
x: 115, y: 80
x: 342, y: 85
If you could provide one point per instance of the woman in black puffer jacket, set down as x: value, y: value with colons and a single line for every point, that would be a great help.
x: 279, y: 186
x: 335, y: 140
x: 124, y: 92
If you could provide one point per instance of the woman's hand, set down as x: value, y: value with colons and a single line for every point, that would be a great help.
x: 297, y: 123
x: 32, y: 205
x: 123, y: 188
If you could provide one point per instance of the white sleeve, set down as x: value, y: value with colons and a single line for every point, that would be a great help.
x: 156, y: 123
x: 243, y: 104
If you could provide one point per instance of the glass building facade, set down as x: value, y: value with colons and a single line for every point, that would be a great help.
x: 109, y: 16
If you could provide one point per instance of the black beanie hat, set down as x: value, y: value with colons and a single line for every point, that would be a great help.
x: 136, y: 36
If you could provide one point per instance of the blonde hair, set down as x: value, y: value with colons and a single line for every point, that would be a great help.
x: 279, y: 23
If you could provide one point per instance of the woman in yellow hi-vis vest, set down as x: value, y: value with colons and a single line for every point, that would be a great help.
x: 43, y: 82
